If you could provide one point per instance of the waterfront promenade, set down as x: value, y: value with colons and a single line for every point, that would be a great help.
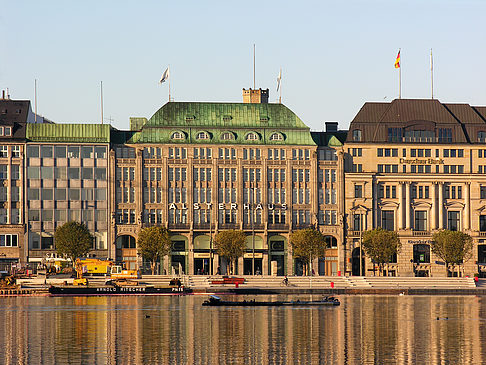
x: 203, y: 284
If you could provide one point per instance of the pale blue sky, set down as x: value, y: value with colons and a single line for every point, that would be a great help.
x: 335, y: 55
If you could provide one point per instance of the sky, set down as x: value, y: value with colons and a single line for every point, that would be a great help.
x: 334, y: 55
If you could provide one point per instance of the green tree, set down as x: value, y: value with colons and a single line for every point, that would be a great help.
x: 73, y: 240
x: 230, y: 244
x: 307, y: 244
x: 153, y: 243
x: 380, y: 245
x: 453, y: 247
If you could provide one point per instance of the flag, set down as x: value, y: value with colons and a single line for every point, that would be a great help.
x: 165, y: 76
x: 397, y: 61
x: 278, y: 79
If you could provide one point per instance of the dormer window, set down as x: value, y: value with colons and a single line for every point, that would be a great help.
x: 202, y: 135
x: 481, y: 137
x: 252, y: 136
x: 178, y: 135
x: 227, y: 118
x: 357, y: 135
x: 276, y: 137
x: 227, y: 136
x: 8, y: 131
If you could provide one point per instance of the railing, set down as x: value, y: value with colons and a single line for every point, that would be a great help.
x: 421, y: 233
x: 279, y: 227
x: 482, y: 234
x: 179, y: 225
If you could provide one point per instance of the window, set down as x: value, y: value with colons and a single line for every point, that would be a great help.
x: 395, y: 135
x: 202, y: 135
x: 60, y: 151
x: 3, y: 151
x: 73, y: 152
x: 445, y: 135
x: 357, y: 152
x: 46, y: 151
x: 421, y: 254
x: 252, y: 136
x: 453, y: 220
x: 100, y: 152
x: 483, y: 192
x: 8, y: 131
x: 227, y: 136
x: 420, y: 220
x: 358, y: 191
x: 33, y: 151
x: 358, y: 222
x: 482, y: 136
x: 388, y: 220
x: 15, y: 151
x: 8, y: 240
x: 482, y: 223
x: 357, y: 135
x: 276, y: 137
x: 178, y: 135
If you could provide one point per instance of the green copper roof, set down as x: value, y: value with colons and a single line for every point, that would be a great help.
x: 77, y: 133
x: 191, y: 118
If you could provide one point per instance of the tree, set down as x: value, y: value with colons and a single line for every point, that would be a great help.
x: 380, y: 245
x: 154, y: 243
x: 73, y: 240
x: 230, y: 244
x: 307, y: 244
x: 453, y: 247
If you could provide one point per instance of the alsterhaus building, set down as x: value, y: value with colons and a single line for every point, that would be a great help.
x: 199, y: 168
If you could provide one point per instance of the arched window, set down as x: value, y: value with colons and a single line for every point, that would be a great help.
x: 227, y: 136
x: 252, y: 136
x: 178, y: 135
x: 202, y: 135
x: 276, y: 137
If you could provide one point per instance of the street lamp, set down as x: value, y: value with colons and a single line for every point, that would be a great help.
x: 252, y: 229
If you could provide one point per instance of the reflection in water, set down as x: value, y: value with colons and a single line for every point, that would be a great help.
x: 178, y: 330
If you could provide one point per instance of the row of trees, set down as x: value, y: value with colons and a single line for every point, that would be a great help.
x: 74, y: 240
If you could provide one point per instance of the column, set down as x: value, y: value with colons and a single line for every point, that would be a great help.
x: 433, y: 209
x: 441, y: 205
x: 407, y: 205
x: 467, y: 213
x: 400, y: 210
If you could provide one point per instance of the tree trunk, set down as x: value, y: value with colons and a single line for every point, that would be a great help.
x: 152, y: 266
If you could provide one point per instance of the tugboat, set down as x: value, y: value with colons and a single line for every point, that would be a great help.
x: 215, y: 301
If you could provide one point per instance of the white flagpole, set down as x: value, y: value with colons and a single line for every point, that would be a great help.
x: 400, y: 75
x: 280, y: 97
x: 35, y: 94
x: 101, y: 89
x: 432, y: 73
x: 168, y: 68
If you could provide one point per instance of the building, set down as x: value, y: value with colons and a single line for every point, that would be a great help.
x: 199, y: 168
x: 67, y: 175
x: 416, y: 166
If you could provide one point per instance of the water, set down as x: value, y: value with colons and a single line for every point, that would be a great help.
x: 178, y: 330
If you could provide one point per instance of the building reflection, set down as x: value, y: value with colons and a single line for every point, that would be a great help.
x: 178, y: 330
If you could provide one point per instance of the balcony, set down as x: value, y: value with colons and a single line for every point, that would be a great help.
x: 420, y: 233
x: 178, y: 226
x: 229, y: 226
x: 482, y: 234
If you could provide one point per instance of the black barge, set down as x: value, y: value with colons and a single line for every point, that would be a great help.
x: 215, y: 301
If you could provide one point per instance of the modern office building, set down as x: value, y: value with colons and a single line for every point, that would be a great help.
x: 416, y: 166
x: 67, y: 176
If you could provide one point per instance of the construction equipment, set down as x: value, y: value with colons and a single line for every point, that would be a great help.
x: 94, y: 267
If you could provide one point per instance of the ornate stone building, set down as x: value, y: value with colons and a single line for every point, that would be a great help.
x: 416, y: 166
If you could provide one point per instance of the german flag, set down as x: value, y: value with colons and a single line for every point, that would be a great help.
x: 397, y: 61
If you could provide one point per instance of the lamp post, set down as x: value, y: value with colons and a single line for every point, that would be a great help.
x: 360, y: 244
x: 211, y: 265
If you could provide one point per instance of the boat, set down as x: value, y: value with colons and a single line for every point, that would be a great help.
x: 102, y: 290
x: 215, y: 301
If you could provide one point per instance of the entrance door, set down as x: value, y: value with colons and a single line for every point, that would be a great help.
x: 355, y: 263
x: 248, y: 266
x: 279, y: 259
x: 201, y: 266
x: 178, y: 264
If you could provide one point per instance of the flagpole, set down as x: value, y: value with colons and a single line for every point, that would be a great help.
x: 35, y: 94
x: 400, y: 76
x: 101, y: 89
x: 254, y: 66
x: 280, y: 97
x: 431, y: 74
x: 169, y: 81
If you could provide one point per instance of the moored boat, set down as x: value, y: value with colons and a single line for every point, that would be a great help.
x: 116, y: 290
x: 215, y: 301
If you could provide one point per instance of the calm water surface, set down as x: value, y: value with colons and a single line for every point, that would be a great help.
x: 178, y: 330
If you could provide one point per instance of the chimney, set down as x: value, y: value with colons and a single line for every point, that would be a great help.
x: 3, y: 94
x: 331, y: 126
